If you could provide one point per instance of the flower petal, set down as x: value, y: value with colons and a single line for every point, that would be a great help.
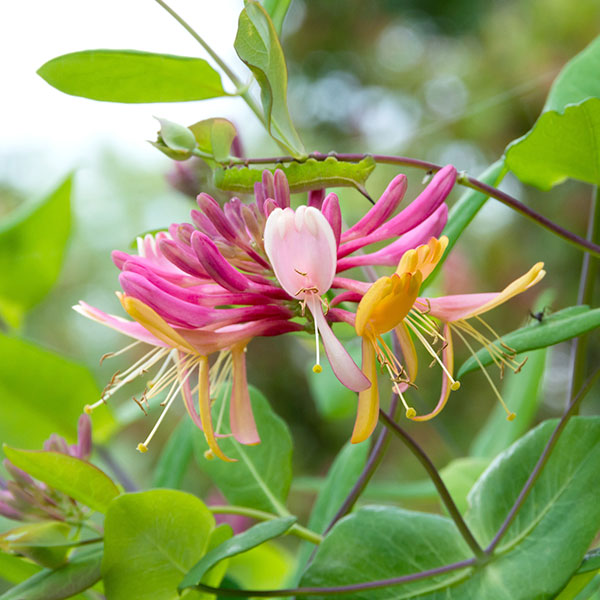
x: 367, y: 413
x: 241, y: 418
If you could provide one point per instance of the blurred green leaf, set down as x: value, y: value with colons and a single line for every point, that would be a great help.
x: 44, y: 393
x: 214, y: 136
x: 176, y: 456
x: 521, y: 392
x: 257, y: 45
x: 555, y: 525
x: 262, y: 474
x: 576, y: 585
x: 79, y: 574
x: 562, y: 325
x: 256, y: 535
x: 460, y: 475
x: 132, y: 76
x: 590, y: 562
x: 14, y: 569
x: 277, y: 10
x: 74, y: 477
x: 151, y: 540
x: 560, y: 146
x: 177, y: 137
x: 219, y: 535
x: 32, y: 249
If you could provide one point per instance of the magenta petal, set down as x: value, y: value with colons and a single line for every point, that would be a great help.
x: 241, y: 418
x: 384, y: 207
x: 211, y: 208
x: 341, y: 362
x: 282, y: 189
x: 315, y: 198
x: 182, y: 260
x: 452, y: 308
x: 333, y: 214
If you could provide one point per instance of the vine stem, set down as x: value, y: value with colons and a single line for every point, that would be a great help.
x: 297, y: 530
x: 541, y: 463
x: 436, y: 478
x: 462, y: 179
x: 585, y: 294
x: 341, y: 589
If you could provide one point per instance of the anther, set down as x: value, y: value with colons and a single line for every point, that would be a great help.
x: 142, y: 448
x: 317, y: 369
x: 455, y: 386
x: 511, y: 416
x: 410, y: 412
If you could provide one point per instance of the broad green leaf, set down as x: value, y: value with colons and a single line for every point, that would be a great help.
x: 43, y: 393
x: 256, y: 535
x: 74, y: 477
x: 558, y: 327
x: 576, y: 586
x: 262, y: 474
x: 32, y: 249
x: 79, y: 574
x: 310, y: 174
x: 151, y: 541
x: 14, y: 569
x: 560, y: 146
x: 267, y: 566
x: 466, y: 208
x: 214, y: 136
x: 257, y: 45
x: 549, y: 537
x: 277, y: 10
x: 176, y: 456
x: 591, y: 561
x: 460, y: 475
x: 131, y: 76
x: 522, y: 394
x: 578, y: 79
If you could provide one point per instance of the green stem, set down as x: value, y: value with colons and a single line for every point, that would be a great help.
x: 440, y: 486
x: 585, y: 295
x: 297, y: 530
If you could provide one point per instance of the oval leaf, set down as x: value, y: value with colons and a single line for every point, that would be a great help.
x: 74, y: 477
x: 562, y: 325
x: 256, y: 535
x: 131, y: 76
x: 214, y: 136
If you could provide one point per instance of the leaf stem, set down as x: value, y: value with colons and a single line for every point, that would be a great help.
x: 435, y: 477
x: 585, y: 294
x: 463, y: 179
x: 341, y: 589
x: 541, y: 463
x: 297, y: 530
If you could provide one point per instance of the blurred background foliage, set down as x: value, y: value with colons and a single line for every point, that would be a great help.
x: 450, y: 82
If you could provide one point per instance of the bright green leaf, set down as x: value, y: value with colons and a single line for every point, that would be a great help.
x: 219, y: 535
x: 74, y: 477
x: 32, y: 249
x: 14, y: 569
x: 214, y: 137
x: 460, y: 475
x: 177, y: 137
x: 576, y: 586
x: 256, y: 535
x: 560, y: 146
x: 176, y: 455
x: 79, y: 574
x: 277, y: 10
x: 590, y: 562
x: 44, y: 393
x: 262, y: 474
x: 151, y: 541
x: 131, y: 76
x: 258, y: 47
x: 558, y: 327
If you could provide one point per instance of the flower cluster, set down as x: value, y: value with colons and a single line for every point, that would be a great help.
x: 246, y: 270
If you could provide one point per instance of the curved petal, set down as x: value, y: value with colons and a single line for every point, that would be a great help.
x: 367, y: 413
x: 241, y: 418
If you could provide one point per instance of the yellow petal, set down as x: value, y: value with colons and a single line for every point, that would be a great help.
x: 424, y: 258
x: 367, y: 413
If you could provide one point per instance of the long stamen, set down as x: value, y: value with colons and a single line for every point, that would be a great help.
x: 118, y: 352
x: 317, y: 366
x: 163, y: 368
x: 510, y: 415
x: 426, y: 323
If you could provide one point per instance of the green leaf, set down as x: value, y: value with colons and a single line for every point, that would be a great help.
x: 214, y: 137
x: 590, y: 562
x: 560, y: 146
x: 304, y: 176
x: 44, y: 393
x: 32, y: 249
x: 74, y: 477
x: 151, y: 541
x: 576, y: 586
x: 219, y: 535
x: 554, y: 527
x: 562, y: 325
x: 256, y: 535
x: 177, y: 138
x: 460, y: 475
x: 131, y: 76
x: 262, y: 474
x: 277, y: 10
x: 176, y: 455
x: 80, y: 573
x: 257, y: 45
x: 522, y: 394
x: 14, y: 569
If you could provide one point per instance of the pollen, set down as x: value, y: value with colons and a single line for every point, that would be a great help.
x: 317, y: 369
x: 142, y: 448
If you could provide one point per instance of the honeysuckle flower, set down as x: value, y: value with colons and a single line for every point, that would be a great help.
x: 200, y: 292
x: 393, y: 304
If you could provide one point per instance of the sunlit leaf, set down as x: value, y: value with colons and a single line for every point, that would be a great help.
x: 32, y: 249
x: 15, y: 569
x: 151, y: 540
x: 277, y: 10
x: 43, y: 393
x: 256, y: 535
x: 562, y: 325
x: 214, y: 136
x: 258, y: 46
x: 131, y: 76
x: 74, y: 477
